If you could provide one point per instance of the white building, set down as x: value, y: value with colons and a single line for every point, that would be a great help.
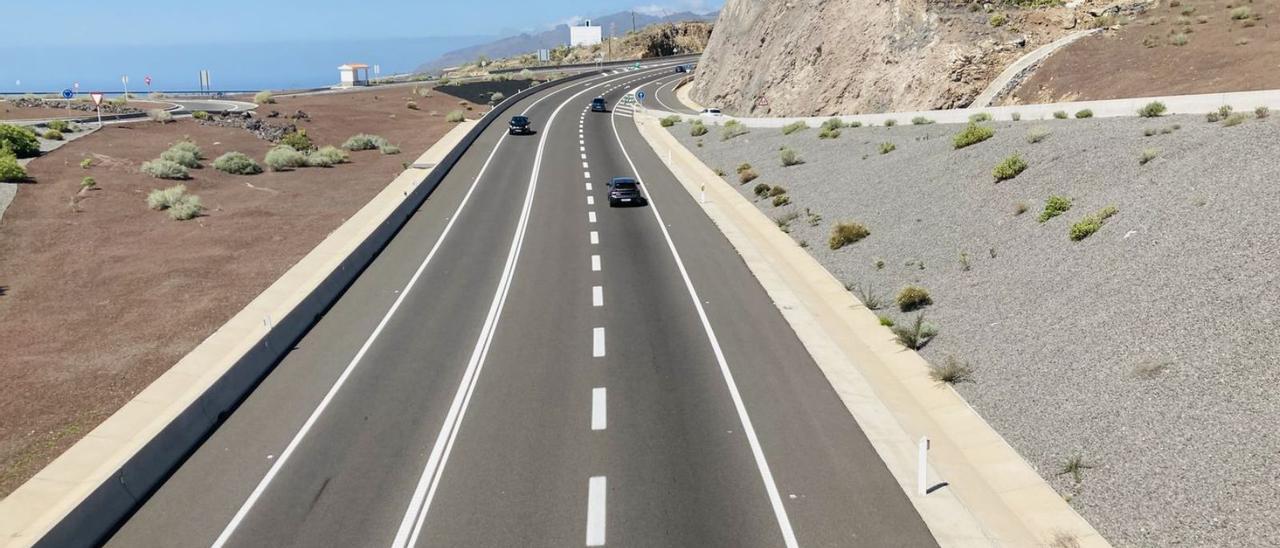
x: 349, y: 75
x: 584, y: 34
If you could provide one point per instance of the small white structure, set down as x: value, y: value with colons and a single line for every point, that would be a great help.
x: 584, y: 34
x: 350, y: 75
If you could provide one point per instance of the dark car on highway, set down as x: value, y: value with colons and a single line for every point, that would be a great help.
x: 598, y: 105
x: 519, y: 125
x: 625, y: 191
x: 681, y: 68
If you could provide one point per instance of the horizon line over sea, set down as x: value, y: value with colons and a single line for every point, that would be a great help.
x: 238, y: 66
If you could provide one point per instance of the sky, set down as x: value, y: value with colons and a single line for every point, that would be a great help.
x: 156, y: 22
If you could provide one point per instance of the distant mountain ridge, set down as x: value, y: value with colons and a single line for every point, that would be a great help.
x: 620, y: 22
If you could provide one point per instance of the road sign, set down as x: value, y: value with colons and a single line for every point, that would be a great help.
x: 640, y: 95
x: 97, y: 98
x: 146, y: 79
x: 76, y: 86
x: 67, y: 94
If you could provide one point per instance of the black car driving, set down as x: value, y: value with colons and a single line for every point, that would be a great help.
x: 625, y: 191
x: 520, y: 125
x: 598, y: 105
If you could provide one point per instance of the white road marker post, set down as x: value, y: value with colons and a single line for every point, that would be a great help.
x: 922, y: 470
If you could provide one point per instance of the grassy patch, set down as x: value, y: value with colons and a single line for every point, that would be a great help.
x: 364, y: 141
x: 184, y: 153
x: 1017, y: 116
x: 298, y: 140
x: 761, y: 190
x: 237, y: 163
x: 972, y: 134
x: 915, y: 335
x: 86, y: 163
x: 1084, y: 113
x: 1075, y: 467
x: 868, y: 294
x: 784, y: 221
x: 952, y: 371
x: 165, y: 169
x: 794, y: 127
x: 264, y: 97
x: 9, y: 168
x: 1262, y: 112
x: 59, y: 125
x: 1235, y: 119
x: 890, y: 122
x: 731, y: 129
x: 1009, y: 168
x: 1087, y: 226
x: 669, y: 121
x: 746, y: 176
x: 326, y: 157
x: 1061, y: 115
x: 1037, y: 134
x: 1241, y: 13
x: 833, y: 123
x: 285, y: 157
x: 779, y: 201
x: 88, y: 182
x: 790, y: 157
x: 886, y: 321
x: 913, y: 297
x: 825, y: 133
x: 778, y: 190
x: 998, y: 20
x: 53, y: 135
x: 921, y: 121
x: 1147, y: 155
x: 455, y: 116
x: 887, y: 147
x: 843, y: 234
x: 1054, y: 206
x: 980, y: 117
x: 201, y: 115
x: 1152, y: 110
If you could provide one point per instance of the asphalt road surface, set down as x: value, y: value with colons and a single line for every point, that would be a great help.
x: 526, y: 366
x: 660, y: 94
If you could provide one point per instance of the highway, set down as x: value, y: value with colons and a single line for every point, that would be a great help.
x: 661, y: 94
x: 525, y: 366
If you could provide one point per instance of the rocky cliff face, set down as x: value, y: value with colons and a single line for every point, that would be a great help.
x: 819, y: 57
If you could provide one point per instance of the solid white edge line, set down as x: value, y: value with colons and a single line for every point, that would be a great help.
x: 596, y: 492
x: 280, y: 461
x: 415, y: 516
x: 595, y: 263
x: 599, y: 409
x: 597, y: 296
x: 597, y: 342
x: 771, y: 487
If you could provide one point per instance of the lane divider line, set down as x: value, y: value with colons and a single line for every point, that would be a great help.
x: 588, y: 187
x: 591, y: 216
x: 599, y: 409
x: 596, y: 491
x: 595, y: 238
x: 591, y: 200
x: 595, y: 263
x: 766, y: 475
x: 597, y: 342
x: 597, y: 296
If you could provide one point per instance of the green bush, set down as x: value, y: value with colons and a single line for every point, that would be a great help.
x: 53, y: 135
x: 201, y: 115
x: 264, y: 97
x: 921, y: 121
x: 761, y: 190
x: 298, y: 141
x: 497, y: 97
x: 364, y: 141
x: 1262, y: 112
x: 825, y: 133
x: 411, y: 105
x: 843, y: 234
x: 1235, y: 119
x: 887, y: 147
x: 1085, y: 113
x: 779, y: 201
x: 9, y: 168
x: 952, y: 371
x: 890, y: 122
x: 794, y: 127
x: 1147, y: 156
x: 1009, y: 168
x: 743, y: 167
x: 1037, y: 134
x: 182, y: 157
x: 162, y: 199
x: 670, y: 121
x: 746, y: 176
x: 1017, y: 117
x: 1212, y: 117
x: 1061, y: 115
x: 237, y: 163
x: 389, y: 149
x: 188, y: 207
x: 19, y: 140
x: 455, y: 116
x: 980, y: 117
x: 998, y: 20
x: 1088, y: 225
x: 973, y: 134
x: 88, y: 182
x: 1152, y: 110
x: 886, y: 321
x: 165, y: 169
x: 1054, y: 206
x: 160, y: 116
x: 327, y: 156
x: 285, y: 157
x: 731, y: 129
x: 697, y: 129
x: 913, y: 297
x: 778, y: 190
x: 790, y: 157
x: 854, y: 123
x: 59, y: 125
x: 86, y: 163
x: 916, y: 334
x: 833, y: 123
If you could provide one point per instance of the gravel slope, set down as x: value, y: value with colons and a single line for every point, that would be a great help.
x: 1150, y: 348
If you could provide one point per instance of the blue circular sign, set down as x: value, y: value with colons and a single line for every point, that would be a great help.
x: 640, y: 95
x: 67, y: 94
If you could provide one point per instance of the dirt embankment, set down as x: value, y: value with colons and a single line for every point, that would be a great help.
x: 96, y: 304
x: 1225, y: 46
x: 860, y: 56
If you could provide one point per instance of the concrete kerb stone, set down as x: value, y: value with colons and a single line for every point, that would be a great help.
x: 994, y: 497
x: 80, y: 497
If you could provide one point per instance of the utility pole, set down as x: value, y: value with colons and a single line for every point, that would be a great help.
x: 633, y: 22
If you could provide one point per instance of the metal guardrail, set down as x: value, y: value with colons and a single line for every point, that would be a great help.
x: 95, y: 518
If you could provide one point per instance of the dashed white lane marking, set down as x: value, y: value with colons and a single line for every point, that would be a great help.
x: 586, y: 175
x: 597, y: 296
x: 595, y: 263
x: 584, y: 156
x: 591, y: 200
x: 597, y: 342
x: 595, y: 511
x: 581, y: 142
x: 584, y: 165
x: 591, y: 216
x: 588, y: 187
x: 582, y: 148
x: 599, y: 409
x: 595, y: 238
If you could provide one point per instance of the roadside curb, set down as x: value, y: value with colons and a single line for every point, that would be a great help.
x: 682, y: 94
x: 992, y: 496
x: 80, y: 497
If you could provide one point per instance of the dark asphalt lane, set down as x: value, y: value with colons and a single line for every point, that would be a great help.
x: 496, y: 338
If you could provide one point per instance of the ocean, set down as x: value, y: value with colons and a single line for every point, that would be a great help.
x: 243, y: 66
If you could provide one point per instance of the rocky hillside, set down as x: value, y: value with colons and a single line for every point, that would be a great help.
x: 818, y: 57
